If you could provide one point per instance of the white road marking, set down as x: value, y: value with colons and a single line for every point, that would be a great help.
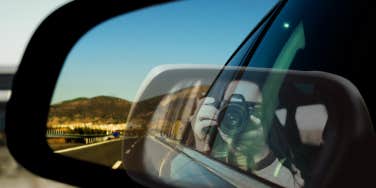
x: 161, y: 165
x: 127, y: 152
x: 116, y: 165
x: 86, y: 146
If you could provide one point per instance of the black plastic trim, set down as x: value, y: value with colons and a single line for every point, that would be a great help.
x: 33, y: 86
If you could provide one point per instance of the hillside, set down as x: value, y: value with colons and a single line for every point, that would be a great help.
x: 97, y: 110
x: 111, y: 110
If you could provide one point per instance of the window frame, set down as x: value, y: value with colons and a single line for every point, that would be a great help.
x: 258, y: 32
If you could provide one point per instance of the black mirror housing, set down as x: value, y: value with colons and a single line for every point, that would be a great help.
x: 33, y: 85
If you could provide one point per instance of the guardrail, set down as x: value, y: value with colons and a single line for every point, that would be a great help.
x: 6, y: 78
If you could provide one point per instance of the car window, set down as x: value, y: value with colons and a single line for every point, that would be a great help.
x: 283, y: 46
x: 171, y: 121
x: 251, y: 139
x: 175, y: 123
x: 295, y: 40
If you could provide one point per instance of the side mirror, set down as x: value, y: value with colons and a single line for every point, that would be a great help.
x: 190, y: 125
x: 290, y: 128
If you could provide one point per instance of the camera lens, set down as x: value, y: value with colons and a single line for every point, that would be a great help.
x: 232, y: 118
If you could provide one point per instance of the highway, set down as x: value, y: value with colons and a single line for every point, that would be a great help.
x: 107, y: 153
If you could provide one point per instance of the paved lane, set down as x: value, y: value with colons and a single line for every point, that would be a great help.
x: 106, y: 153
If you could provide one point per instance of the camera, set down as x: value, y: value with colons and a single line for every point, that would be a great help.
x: 234, y: 116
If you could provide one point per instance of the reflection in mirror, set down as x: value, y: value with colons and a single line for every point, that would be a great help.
x: 102, y: 73
x: 248, y: 131
x: 311, y: 121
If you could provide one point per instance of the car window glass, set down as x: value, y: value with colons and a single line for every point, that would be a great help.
x: 241, y: 54
x: 311, y: 121
x: 256, y: 145
x: 273, y: 140
x: 290, y: 43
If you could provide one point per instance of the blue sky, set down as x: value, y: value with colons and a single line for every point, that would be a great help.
x: 114, y: 57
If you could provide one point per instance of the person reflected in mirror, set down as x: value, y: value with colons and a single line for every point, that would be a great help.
x: 239, y: 139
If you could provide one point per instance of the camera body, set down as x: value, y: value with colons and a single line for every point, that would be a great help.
x: 234, y: 115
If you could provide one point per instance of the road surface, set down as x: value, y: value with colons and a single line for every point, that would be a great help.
x: 106, y: 153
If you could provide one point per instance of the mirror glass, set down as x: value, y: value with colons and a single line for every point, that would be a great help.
x: 104, y: 70
x: 267, y: 125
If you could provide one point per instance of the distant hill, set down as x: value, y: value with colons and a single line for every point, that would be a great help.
x: 112, y: 110
x: 97, y: 110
